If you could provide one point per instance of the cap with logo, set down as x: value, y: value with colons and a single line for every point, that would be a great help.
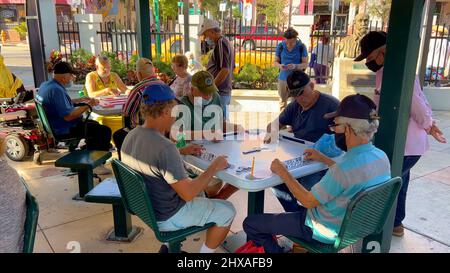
x: 157, y: 93
x: 208, y: 24
x: 204, y: 82
x: 370, y: 42
x: 63, y: 68
x: 355, y: 106
x: 296, y: 82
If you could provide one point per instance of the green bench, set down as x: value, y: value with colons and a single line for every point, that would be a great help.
x: 366, y: 215
x: 137, y: 201
x: 107, y: 192
x: 83, y: 162
x: 31, y: 221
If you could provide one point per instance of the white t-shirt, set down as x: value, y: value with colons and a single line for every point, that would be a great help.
x: 324, y: 54
x: 181, y: 86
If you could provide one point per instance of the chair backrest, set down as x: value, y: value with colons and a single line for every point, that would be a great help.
x: 367, y: 212
x: 31, y: 221
x: 43, y: 117
x: 134, y: 194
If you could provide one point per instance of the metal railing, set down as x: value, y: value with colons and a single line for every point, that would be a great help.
x: 437, y: 63
x: 69, y: 38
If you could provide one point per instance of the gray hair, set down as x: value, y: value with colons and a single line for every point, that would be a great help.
x: 362, y: 127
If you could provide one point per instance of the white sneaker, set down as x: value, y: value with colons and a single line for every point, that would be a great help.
x: 102, y: 170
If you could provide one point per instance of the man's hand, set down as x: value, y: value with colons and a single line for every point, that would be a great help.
x: 192, y: 149
x: 313, y: 154
x: 92, y: 102
x: 113, y: 91
x: 219, y: 164
x: 277, y: 166
x: 437, y: 133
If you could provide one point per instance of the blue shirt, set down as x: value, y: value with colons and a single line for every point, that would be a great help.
x: 310, y: 124
x: 361, y: 167
x: 57, y: 104
x: 290, y: 57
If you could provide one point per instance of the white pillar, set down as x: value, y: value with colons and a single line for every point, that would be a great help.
x: 88, y: 25
x: 49, y: 26
x: 303, y: 24
x: 195, y: 22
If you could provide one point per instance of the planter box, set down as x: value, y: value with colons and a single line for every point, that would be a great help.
x: 438, y: 97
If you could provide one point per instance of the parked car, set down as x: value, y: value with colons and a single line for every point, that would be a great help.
x: 253, y: 37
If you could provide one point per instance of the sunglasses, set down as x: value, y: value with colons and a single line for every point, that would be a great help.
x: 297, y: 92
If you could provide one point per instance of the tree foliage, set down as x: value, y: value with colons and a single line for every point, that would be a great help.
x: 168, y: 9
x: 274, y: 10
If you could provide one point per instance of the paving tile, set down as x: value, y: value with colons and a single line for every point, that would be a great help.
x: 428, y: 209
x: 431, y: 161
x: 412, y: 242
x: 40, y: 244
x: 442, y: 176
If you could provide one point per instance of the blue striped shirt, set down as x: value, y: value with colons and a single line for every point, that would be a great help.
x: 361, y: 167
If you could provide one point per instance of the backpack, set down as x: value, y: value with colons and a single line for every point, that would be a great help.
x: 302, y: 47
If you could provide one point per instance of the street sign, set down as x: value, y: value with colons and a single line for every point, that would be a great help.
x: 223, y: 7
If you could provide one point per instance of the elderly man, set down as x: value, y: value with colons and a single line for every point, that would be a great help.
x: 324, y: 206
x: 305, y: 115
x: 145, y: 73
x: 420, y: 124
x: 205, y: 91
x: 65, y: 118
x: 173, y: 194
x: 103, y: 82
x: 221, y: 62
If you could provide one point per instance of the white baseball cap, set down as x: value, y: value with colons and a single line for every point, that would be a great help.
x: 208, y: 24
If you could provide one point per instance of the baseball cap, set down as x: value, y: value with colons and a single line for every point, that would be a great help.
x: 296, y: 82
x: 157, y: 93
x: 370, y: 42
x: 204, y: 82
x: 355, y: 106
x: 63, y: 68
x: 208, y: 24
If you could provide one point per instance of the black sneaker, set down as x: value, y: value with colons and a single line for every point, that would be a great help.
x: 163, y: 249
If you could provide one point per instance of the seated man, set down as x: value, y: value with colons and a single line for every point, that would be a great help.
x: 173, y: 194
x: 66, y: 119
x: 305, y: 115
x: 103, y: 82
x: 205, y: 91
x: 324, y: 206
x: 145, y: 73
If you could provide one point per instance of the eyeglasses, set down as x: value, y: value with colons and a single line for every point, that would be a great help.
x: 334, y: 125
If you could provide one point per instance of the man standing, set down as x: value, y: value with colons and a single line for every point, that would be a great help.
x: 221, y: 61
x: 291, y: 54
x: 420, y: 124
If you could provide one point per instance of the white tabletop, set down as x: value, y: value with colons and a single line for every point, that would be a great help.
x: 285, y: 149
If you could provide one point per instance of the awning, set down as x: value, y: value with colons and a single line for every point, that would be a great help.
x: 16, y: 2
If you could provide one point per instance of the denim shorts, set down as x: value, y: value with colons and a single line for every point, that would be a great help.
x: 199, y: 212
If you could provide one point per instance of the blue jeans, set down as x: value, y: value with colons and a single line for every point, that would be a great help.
x: 408, y: 163
x: 260, y: 228
x: 225, y: 101
x: 287, y: 199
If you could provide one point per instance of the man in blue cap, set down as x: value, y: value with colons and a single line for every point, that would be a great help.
x: 173, y: 194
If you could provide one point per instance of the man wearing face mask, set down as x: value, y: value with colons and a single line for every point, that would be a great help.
x: 323, y: 207
x: 221, y: 62
x: 421, y: 124
x: 65, y: 118
x: 305, y: 115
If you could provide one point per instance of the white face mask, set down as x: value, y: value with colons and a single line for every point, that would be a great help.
x: 68, y: 85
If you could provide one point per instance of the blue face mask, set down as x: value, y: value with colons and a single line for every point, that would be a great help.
x: 68, y: 85
x: 209, y: 42
x: 191, y: 62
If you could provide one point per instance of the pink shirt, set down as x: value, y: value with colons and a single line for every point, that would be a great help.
x: 420, y: 118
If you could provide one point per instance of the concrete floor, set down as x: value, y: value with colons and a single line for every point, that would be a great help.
x: 65, y: 224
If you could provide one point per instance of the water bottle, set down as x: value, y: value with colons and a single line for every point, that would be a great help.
x: 81, y: 93
x: 181, y: 140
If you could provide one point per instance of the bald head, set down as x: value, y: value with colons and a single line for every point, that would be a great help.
x: 144, y: 69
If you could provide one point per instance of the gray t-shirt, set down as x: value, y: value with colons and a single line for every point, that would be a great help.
x: 222, y: 57
x: 158, y: 160
x: 13, y: 209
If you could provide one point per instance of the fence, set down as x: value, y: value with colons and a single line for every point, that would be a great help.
x: 437, y: 66
x: 6, y: 26
x: 69, y: 38
x: 122, y: 40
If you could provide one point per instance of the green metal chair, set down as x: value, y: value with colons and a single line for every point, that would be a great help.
x: 366, y: 214
x: 31, y: 221
x: 137, y: 201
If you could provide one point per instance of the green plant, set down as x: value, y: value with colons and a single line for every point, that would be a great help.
x: 163, y: 68
x: 249, y: 73
x: 83, y: 62
x: 269, y: 77
x: 22, y: 30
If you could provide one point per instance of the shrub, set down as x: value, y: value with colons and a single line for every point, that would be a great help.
x: 249, y: 73
x: 22, y: 30
x: 83, y: 62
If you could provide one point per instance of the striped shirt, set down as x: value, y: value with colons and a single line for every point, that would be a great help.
x: 361, y: 167
x: 222, y: 57
x: 133, y: 104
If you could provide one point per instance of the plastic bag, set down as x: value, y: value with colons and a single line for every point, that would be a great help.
x: 250, y: 247
x: 327, y: 146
